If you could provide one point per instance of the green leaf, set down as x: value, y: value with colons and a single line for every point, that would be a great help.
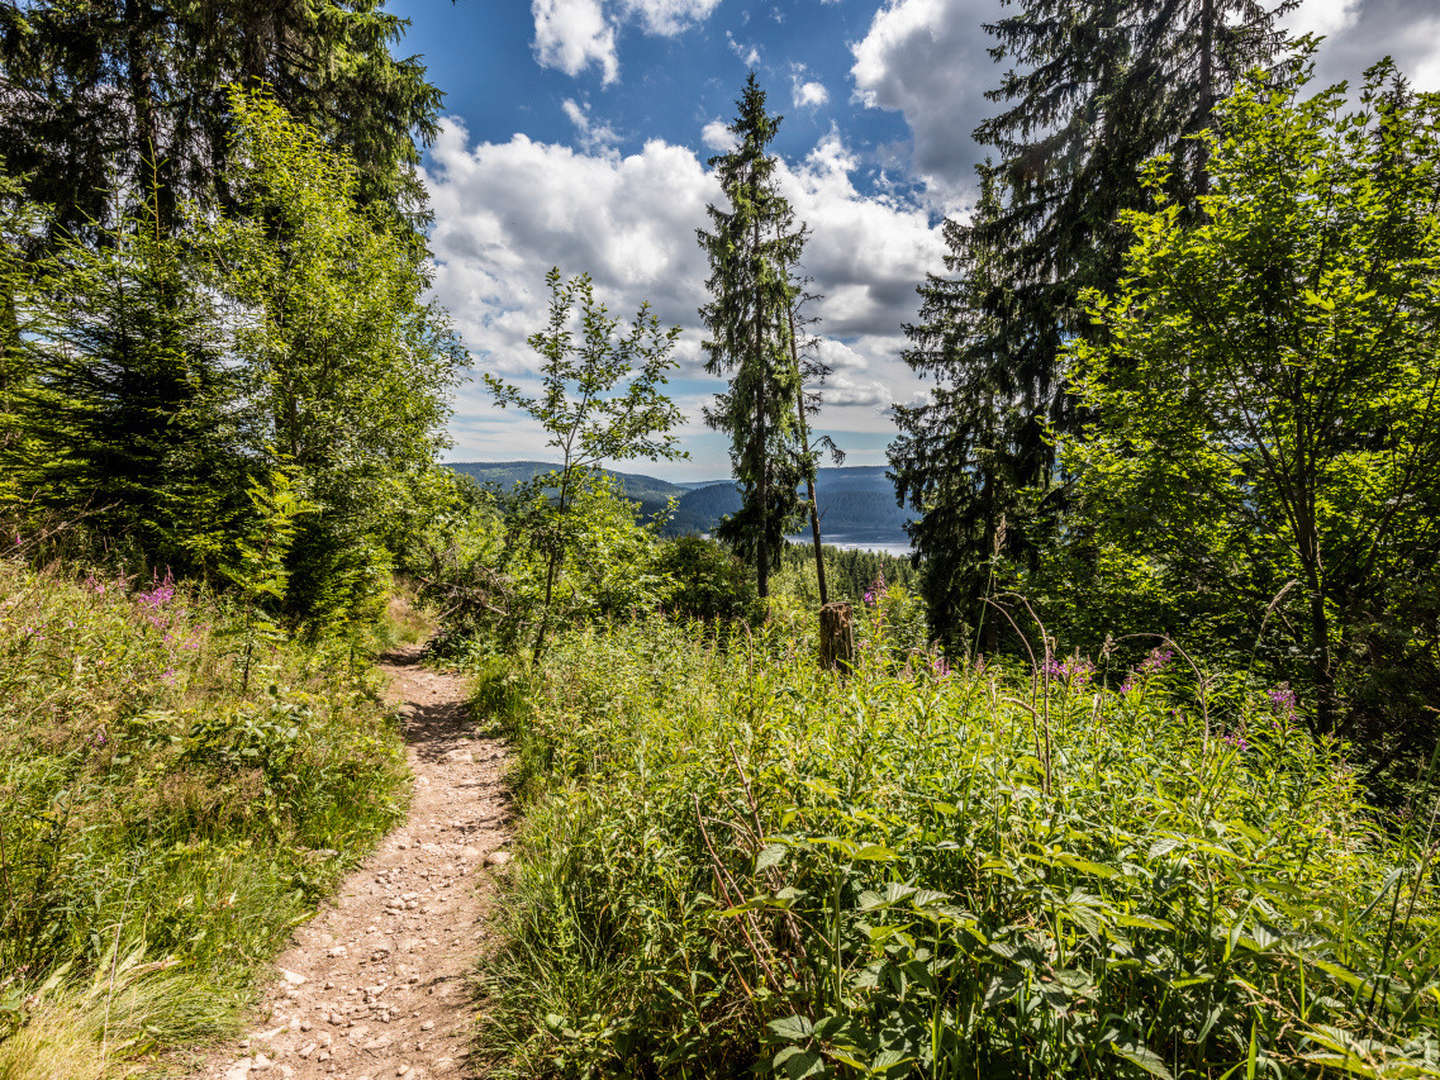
x: 1141, y: 1055
x: 794, y: 1028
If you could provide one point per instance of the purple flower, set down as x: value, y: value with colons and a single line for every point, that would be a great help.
x: 869, y: 598
x: 168, y: 675
x: 160, y: 593
x: 1075, y: 669
x: 1128, y: 686
x: 940, y: 667
x: 1158, y: 660
x: 99, y: 739
x: 1238, y: 742
x: 1282, y: 698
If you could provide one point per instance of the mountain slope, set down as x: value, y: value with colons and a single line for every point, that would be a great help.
x: 857, y: 503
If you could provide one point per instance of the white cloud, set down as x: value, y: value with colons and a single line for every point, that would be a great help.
x: 748, y: 55
x: 809, y: 94
x: 927, y: 59
x: 667, y: 18
x: 717, y: 136
x: 1323, y: 17
x: 592, y: 136
x: 571, y: 35
x: 506, y: 212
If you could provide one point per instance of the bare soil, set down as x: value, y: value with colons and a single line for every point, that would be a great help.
x: 376, y: 984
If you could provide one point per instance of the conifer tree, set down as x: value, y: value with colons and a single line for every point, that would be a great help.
x: 751, y: 250
x: 99, y: 96
x: 1099, y: 87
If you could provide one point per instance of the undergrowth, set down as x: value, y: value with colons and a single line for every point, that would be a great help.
x: 161, y: 831
x: 731, y: 862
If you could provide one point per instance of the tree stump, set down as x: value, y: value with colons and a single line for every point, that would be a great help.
x: 837, y: 637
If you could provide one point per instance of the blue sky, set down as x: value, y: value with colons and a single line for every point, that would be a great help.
x: 577, y: 131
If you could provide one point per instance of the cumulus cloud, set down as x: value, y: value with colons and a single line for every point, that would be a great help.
x: 717, y: 136
x: 1362, y: 31
x: 591, y: 135
x: 1324, y: 17
x: 507, y: 211
x: 806, y: 93
x: 927, y: 60
x: 571, y: 35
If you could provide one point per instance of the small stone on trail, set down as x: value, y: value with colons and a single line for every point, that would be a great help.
x: 338, y: 952
x: 294, y: 978
x: 239, y: 1071
x: 498, y: 858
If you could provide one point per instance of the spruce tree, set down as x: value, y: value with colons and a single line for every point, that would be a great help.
x: 98, y: 96
x: 752, y: 248
x: 1099, y: 87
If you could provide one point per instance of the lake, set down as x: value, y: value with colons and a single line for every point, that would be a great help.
x: 846, y: 543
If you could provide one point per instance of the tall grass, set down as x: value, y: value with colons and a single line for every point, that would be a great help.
x: 731, y: 861
x: 162, y: 832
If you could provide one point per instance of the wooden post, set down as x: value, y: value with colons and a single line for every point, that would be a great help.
x: 837, y: 636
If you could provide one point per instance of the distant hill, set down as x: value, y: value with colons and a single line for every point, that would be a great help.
x: 857, y: 502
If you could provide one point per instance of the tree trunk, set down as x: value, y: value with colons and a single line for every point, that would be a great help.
x: 837, y: 637
x: 762, y: 544
x: 1206, y: 104
x: 557, y: 552
x: 809, y: 465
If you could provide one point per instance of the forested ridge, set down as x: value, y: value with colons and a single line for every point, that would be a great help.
x: 1130, y: 769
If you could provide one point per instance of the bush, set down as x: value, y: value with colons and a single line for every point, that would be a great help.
x: 732, y: 861
x: 154, y: 819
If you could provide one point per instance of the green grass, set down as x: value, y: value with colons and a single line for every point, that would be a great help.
x: 161, y: 833
x: 730, y: 861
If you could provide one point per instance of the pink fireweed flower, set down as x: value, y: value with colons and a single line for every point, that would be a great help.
x: 1282, y: 699
x: 1158, y: 660
x: 1075, y: 669
x: 1239, y: 742
x: 940, y: 667
x: 160, y: 593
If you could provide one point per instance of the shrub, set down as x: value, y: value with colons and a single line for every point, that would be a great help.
x: 732, y: 861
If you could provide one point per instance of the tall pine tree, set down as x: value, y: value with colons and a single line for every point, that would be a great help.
x: 1099, y: 87
x: 100, y: 96
x: 751, y: 250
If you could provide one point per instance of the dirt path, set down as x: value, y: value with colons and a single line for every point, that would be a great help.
x: 375, y: 985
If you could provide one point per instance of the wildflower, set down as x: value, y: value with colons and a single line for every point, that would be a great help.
x: 1128, y: 686
x: 1282, y: 699
x: 1239, y: 742
x: 160, y: 593
x: 1158, y: 660
x: 168, y: 675
x: 99, y: 738
x: 940, y: 667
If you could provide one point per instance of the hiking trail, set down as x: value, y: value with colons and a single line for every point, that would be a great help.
x: 375, y: 985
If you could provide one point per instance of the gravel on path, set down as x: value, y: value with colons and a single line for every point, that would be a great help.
x: 375, y: 985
